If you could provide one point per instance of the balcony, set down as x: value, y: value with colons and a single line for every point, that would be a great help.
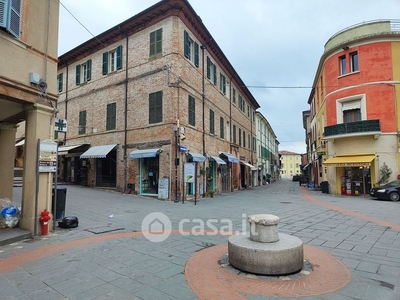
x: 359, y: 128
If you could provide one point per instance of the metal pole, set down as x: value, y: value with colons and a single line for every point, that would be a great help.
x: 176, y: 163
x: 195, y: 183
x: 37, y: 187
x: 55, y: 192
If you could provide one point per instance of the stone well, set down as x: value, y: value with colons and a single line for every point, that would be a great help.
x: 265, y: 251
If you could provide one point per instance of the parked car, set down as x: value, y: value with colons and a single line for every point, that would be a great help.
x: 389, y: 191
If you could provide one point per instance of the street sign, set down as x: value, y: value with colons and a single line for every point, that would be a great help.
x: 182, y: 149
x: 61, y: 125
x: 48, y: 156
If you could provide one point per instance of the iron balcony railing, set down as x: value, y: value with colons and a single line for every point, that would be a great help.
x: 372, y: 126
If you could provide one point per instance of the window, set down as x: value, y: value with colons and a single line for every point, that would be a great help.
x: 342, y: 65
x: 354, y: 61
x: 156, y: 42
x: 82, y: 122
x: 248, y: 111
x: 191, y: 49
x: 112, y: 60
x: 83, y: 72
x: 244, y: 139
x: 222, y: 83
x: 155, y: 107
x: 234, y: 133
x: 242, y: 104
x: 221, y: 127
x: 234, y: 96
x: 212, y: 128
x: 240, y: 137
x: 192, y: 111
x: 60, y: 82
x: 111, y: 116
x: 10, y: 16
x: 254, y: 144
x: 211, y: 71
x: 352, y: 115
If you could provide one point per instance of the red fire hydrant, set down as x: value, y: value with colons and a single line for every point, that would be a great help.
x: 44, y: 220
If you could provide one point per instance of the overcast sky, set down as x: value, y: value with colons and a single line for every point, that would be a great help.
x: 274, y: 45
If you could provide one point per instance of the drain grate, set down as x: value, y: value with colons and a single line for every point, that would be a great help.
x: 103, y: 229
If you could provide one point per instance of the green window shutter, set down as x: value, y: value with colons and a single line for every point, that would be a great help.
x: 89, y: 70
x: 78, y: 74
x: 155, y: 107
x: 119, y: 57
x: 221, y: 127
x: 212, y: 129
x: 159, y: 41
x: 111, y: 116
x: 215, y: 74
x: 192, y: 111
x: 196, y: 54
x: 105, y: 63
x: 152, y: 43
x: 208, y: 68
x: 60, y: 82
x: 186, y: 42
x: 82, y: 122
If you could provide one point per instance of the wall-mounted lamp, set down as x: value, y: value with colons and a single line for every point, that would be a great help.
x: 345, y: 48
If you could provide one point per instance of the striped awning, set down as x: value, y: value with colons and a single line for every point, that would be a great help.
x: 253, y: 168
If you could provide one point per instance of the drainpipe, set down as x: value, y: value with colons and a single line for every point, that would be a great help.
x: 66, y: 101
x: 203, y: 103
x: 126, y: 115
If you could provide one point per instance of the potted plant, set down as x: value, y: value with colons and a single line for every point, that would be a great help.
x: 212, y: 192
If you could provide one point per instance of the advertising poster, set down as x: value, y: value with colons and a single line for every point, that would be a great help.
x: 189, y: 172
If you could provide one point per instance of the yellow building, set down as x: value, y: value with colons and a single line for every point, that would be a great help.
x: 28, y: 73
x: 290, y: 163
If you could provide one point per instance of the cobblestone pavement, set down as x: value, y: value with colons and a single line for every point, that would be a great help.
x: 108, y: 256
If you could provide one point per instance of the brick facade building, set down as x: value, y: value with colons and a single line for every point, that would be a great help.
x: 151, y: 101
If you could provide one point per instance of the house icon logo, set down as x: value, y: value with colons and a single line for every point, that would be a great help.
x: 156, y: 227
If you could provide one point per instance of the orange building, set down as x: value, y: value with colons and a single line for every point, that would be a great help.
x: 354, y: 108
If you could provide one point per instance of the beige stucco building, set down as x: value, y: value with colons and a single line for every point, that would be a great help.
x: 28, y: 60
x: 290, y: 163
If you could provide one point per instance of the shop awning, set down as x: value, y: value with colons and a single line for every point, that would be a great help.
x: 197, y: 157
x: 63, y: 150
x: 230, y: 157
x: 349, y: 161
x: 98, y: 151
x: 218, y: 160
x: 145, y: 153
x: 253, y: 168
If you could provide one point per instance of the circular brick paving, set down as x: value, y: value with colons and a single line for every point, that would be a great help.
x: 209, y: 280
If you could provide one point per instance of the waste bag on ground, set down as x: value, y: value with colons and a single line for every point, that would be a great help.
x: 9, y: 216
x: 69, y: 222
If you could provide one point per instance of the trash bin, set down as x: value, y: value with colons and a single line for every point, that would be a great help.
x: 61, y: 199
x: 325, y: 187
